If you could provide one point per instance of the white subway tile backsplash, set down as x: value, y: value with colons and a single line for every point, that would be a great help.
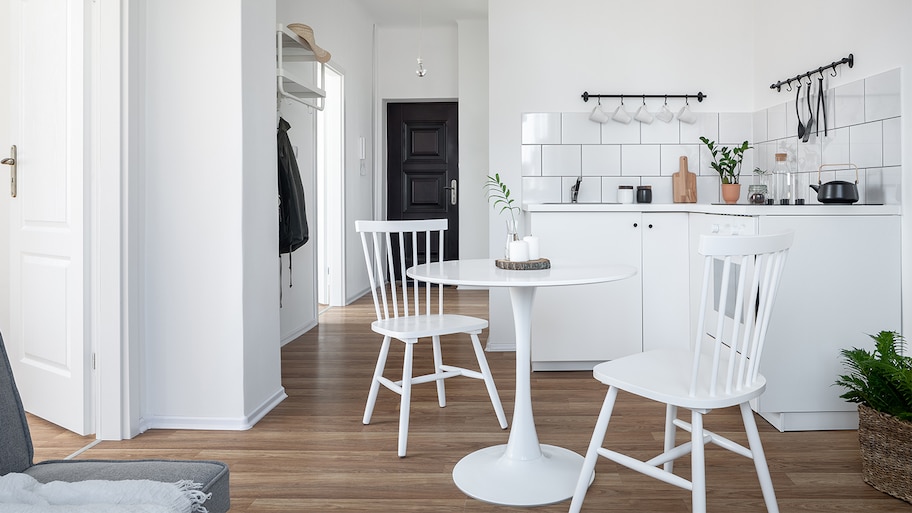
x: 577, y: 128
x: 836, y: 146
x: 560, y: 147
x: 601, y: 160
x: 735, y: 127
x: 541, y: 189
x: 561, y: 160
x: 882, y: 185
x: 640, y: 159
x: 541, y: 128
x: 866, y: 144
x: 671, y: 155
x: 531, y: 160
x: 882, y: 96
x: 619, y: 133
x: 659, y: 132
x: 707, y: 125
x: 776, y: 121
x: 892, y: 142
x: 849, y: 105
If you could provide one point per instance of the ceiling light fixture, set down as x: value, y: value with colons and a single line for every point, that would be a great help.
x: 420, y: 71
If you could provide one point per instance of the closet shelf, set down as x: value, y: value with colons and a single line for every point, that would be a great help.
x: 291, y: 49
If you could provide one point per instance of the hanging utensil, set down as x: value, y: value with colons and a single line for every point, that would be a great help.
x: 798, y: 111
x: 810, y: 122
x: 821, y: 100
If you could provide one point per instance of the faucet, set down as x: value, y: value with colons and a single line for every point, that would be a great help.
x: 574, y: 190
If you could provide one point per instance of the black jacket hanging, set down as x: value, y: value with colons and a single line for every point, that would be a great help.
x: 293, y: 232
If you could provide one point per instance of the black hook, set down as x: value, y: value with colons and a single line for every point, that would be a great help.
x: 644, y: 99
x: 789, y: 84
x: 666, y: 99
x: 834, y: 70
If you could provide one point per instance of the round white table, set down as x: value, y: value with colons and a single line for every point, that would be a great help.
x: 522, y: 472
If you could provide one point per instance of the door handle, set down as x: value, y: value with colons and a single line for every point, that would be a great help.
x: 453, y: 191
x: 11, y: 162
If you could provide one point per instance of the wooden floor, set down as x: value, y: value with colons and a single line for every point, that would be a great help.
x: 312, y: 454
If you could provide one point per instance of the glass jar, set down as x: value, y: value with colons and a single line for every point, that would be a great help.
x: 625, y: 194
x: 785, y: 183
x: 756, y: 194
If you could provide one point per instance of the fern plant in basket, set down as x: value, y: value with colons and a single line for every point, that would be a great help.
x: 880, y: 381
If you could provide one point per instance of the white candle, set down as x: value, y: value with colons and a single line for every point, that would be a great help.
x: 519, y: 251
x: 532, y: 241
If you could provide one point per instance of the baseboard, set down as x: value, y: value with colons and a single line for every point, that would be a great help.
x: 812, y: 421
x: 215, y: 423
x: 298, y: 332
x: 500, y: 346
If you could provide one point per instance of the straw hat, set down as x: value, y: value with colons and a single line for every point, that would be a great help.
x: 307, y: 34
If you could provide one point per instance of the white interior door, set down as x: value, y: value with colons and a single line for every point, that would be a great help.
x: 47, y: 339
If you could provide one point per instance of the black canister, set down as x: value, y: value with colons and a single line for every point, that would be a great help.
x: 644, y: 194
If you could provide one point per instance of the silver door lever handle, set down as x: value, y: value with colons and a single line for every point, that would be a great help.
x: 453, y: 194
x: 11, y: 162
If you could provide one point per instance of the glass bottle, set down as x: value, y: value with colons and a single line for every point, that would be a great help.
x: 784, y: 180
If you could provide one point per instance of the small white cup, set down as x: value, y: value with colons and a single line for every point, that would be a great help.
x: 643, y: 115
x: 665, y: 115
x: 621, y: 115
x: 686, y: 116
x: 598, y: 115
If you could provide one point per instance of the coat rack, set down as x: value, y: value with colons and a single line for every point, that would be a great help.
x: 699, y: 96
x: 850, y: 60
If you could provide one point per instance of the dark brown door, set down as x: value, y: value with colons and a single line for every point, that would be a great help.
x: 423, y: 166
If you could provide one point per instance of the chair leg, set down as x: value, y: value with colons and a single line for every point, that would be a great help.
x: 438, y: 363
x: 598, y: 437
x: 406, y: 397
x: 489, y: 381
x: 671, y: 412
x: 753, y: 437
x: 375, y: 383
x: 698, y: 463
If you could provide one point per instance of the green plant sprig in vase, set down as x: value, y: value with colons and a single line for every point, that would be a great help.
x: 499, y: 195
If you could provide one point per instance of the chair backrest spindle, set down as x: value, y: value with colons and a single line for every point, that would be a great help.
x: 398, y: 240
x: 741, y: 276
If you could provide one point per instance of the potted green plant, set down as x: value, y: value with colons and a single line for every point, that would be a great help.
x: 880, y: 381
x: 727, y: 162
x: 499, y: 195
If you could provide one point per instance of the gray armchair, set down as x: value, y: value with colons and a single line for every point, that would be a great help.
x: 17, y: 453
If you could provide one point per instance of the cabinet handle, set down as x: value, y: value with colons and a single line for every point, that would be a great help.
x: 650, y: 226
x: 635, y: 225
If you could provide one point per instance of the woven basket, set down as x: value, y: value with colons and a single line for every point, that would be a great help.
x: 886, y: 452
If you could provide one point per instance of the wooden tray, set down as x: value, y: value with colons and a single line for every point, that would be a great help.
x: 529, y: 265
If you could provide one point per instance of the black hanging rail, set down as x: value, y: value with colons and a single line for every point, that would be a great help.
x: 698, y: 96
x: 850, y: 60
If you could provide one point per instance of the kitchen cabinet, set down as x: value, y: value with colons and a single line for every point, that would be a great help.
x: 578, y: 327
x: 840, y: 282
x: 299, y: 76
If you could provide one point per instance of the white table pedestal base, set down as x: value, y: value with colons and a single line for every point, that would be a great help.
x: 489, y: 476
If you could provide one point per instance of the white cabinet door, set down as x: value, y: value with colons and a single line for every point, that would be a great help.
x: 574, y: 327
x: 666, y: 281
x: 841, y: 282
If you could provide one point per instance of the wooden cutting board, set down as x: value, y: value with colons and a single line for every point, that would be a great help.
x: 684, y: 184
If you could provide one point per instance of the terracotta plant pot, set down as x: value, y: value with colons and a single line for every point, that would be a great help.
x: 731, y: 192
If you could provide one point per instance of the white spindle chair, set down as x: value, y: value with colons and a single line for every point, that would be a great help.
x: 398, y: 318
x: 741, y: 274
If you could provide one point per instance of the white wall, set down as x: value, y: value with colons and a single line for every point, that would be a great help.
x: 210, y: 305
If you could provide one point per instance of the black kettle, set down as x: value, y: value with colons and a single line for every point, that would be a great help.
x: 837, y: 191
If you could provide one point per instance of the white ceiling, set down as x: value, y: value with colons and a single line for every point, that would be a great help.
x: 433, y: 12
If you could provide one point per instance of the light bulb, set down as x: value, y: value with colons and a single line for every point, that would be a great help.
x: 420, y: 71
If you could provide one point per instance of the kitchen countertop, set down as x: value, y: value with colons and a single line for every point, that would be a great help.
x: 707, y: 208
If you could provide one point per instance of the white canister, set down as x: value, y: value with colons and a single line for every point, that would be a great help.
x: 625, y: 194
x: 532, y: 241
x: 519, y: 251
